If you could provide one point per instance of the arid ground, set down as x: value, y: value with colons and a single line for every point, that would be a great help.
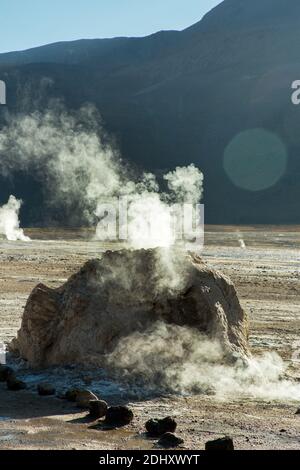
x: 264, y: 264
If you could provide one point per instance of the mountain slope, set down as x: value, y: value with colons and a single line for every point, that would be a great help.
x: 247, y: 14
x: 179, y: 97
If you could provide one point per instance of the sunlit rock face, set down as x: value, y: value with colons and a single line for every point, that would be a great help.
x: 126, y: 292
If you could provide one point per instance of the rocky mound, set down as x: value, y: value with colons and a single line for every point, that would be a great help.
x: 125, y: 292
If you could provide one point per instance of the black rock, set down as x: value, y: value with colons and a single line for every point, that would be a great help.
x: 83, y: 398
x: 98, y: 408
x: 158, y: 427
x: 5, y: 372
x: 118, y: 416
x: 298, y: 412
x: 15, y: 384
x: 45, y: 389
x: 170, y: 440
x: 71, y: 394
x: 225, y: 443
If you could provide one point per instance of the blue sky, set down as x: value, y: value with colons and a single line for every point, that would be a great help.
x: 29, y: 23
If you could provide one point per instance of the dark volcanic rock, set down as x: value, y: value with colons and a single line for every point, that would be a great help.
x: 170, y: 440
x: 118, y: 416
x: 157, y: 427
x: 15, y: 384
x: 45, y: 389
x: 5, y: 373
x: 225, y: 443
x: 83, y: 398
x: 71, y: 394
x: 98, y: 408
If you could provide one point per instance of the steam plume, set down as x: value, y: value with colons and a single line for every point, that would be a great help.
x: 81, y: 171
x: 9, y: 221
x: 181, y: 360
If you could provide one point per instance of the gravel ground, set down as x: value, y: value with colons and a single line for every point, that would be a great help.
x: 266, y: 273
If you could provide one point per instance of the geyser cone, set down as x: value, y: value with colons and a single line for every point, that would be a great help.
x: 123, y: 293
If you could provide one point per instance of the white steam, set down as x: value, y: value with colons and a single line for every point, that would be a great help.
x: 9, y: 221
x: 64, y: 151
x: 155, y: 218
x: 179, y: 359
x: 186, y: 183
x: 81, y: 173
x: 83, y: 176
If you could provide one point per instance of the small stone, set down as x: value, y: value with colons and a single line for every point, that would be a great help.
x: 5, y: 372
x: 45, y: 389
x: 71, y: 394
x: 118, y: 416
x: 84, y: 397
x: 225, y: 443
x: 158, y: 427
x: 15, y: 384
x: 298, y: 412
x: 283, y: 430
x: 98, y: 408
x: 169, y: 439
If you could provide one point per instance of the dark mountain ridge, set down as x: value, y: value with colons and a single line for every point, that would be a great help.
x: 173, y: 98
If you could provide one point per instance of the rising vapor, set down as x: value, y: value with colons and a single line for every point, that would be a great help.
x: 9, y: 221
x: 81, y: 170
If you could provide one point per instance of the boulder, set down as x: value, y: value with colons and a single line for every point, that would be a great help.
x: 14, y: 384
x: 5, y: 373
x: 71, y: 394
x: 118, y: 416
x: 98, y: 408
x: 124, y: 292
x: 45, y: 389
x: 225, y: 443
x: 83, y: 398
x: 157, y: 427
x: 170, y: 440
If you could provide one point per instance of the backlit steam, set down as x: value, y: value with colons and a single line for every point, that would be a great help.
x: 170, y: 358
x: 9, y: 221
x: 81, y: 172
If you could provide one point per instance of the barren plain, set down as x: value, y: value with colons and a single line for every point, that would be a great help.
x: 263, y: 262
